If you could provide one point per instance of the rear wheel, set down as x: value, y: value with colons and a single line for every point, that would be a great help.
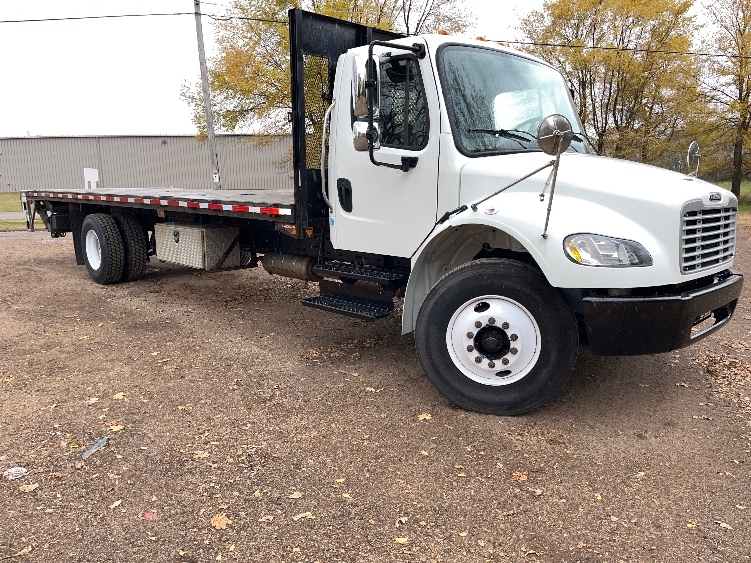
x: 136, y: 247
x: 494, y: 337
x: 103, y: 248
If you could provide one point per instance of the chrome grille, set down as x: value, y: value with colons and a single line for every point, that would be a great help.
x: 707, y: 236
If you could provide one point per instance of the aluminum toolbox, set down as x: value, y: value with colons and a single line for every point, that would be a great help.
x: 201, y: 247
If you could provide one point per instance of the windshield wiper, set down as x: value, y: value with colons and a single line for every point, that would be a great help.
x: 580, y: 137
x: 506, y: 134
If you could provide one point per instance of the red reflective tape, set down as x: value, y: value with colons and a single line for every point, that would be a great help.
x: 173, y: 203
x: 194, y: 205
x: 270, y: 210
x: 155, y: 202
x: 216, y: 206
x: 123, y: 200
x: 138, y: 200
x: 109, y: 198
x: 241, y: 208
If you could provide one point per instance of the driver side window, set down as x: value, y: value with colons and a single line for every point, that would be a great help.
x: 404, y: 107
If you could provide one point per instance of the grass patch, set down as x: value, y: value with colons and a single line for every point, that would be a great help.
x: 10, y: 201
x: 13, y: 225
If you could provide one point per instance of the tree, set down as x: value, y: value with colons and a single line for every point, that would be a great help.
x: 618, y: 56
x: 728, y: 81
x: 250, y: 80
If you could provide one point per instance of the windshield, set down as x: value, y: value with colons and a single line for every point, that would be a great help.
x: 497, y: 100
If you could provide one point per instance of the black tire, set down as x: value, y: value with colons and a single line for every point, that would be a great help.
x: 541, y: 356
x: 103, y: 248
x: 136, y: 247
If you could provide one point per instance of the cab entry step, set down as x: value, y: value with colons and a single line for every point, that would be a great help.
x: 356, y: 272
x: 366, y: 303
x: 357, y: 307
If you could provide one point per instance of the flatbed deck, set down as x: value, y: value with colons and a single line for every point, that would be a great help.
x: 265, y: 204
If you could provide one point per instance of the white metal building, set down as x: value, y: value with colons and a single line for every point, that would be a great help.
x: 245, y: 161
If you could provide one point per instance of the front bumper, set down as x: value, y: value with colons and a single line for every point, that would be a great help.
x: 629, y: 326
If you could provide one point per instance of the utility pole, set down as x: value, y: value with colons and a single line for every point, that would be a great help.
x: 207, y: 97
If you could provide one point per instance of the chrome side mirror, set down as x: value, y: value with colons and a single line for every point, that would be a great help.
x: 692, y: 158
x: 360, y: 91
x: 360, y: 136
x: 554, y: 134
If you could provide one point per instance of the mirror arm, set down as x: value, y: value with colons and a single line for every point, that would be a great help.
x: 418, y: 49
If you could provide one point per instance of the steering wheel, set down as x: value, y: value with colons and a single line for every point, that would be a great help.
x: 523, y: 126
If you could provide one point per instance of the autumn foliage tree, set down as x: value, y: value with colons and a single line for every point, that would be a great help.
x: 250, y: 80
x: 620, y: 58
x: 727, y: 82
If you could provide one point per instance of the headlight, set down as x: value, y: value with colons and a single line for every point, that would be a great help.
x: 596, y: 250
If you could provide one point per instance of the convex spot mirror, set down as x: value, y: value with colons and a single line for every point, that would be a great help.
x: 693, y: 156
x: 360, y: 91
x: 554, y: 135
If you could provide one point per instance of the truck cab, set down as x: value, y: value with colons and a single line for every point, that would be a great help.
x: 632, y: 258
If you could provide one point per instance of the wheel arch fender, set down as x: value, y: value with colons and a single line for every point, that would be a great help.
x: 454, y: 245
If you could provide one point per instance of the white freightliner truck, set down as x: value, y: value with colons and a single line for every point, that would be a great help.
x: 446, y: 172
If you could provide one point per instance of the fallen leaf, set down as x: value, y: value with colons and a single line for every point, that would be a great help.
x: 28, y: 488
x: 520, y: 476
x: 691, y: 524
x: 598, y: 496
x: 268, y: 518
x: 116, y: 428
x: 640, y: 474
x: 150, y: 516
x: 462, y: 534
x: 402, y: 540
x: 581, y: 545
x: 74, y: 444
x: 723, y: 525
x: 92, y: 401
x: 306, y: 515
x: 346, y: 495
x: 423, y: 452
x: 741, y: 507
x: 340, y: 480
x: 25, y: 551
x: 116, y: 504
x: 155, y: 353
x: 220, y: 521
x: 119, y: 396
x: 257, y: 494
x: 425, y: 416
x: 296, y: 494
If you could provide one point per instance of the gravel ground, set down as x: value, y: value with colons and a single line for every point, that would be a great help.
x: 245, y: 427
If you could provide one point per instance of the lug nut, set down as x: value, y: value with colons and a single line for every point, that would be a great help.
x: 513, y: 338
x: 504, y: 361
x: 478, y: 324
x: 491, y: 321
x: 513, y: 351
x: 505, y: 326
x: 470, y: 335
x: 478, y: 359
x: 491, y: 365
x: 470, y: 348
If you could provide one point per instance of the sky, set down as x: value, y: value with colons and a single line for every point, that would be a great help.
x: 123, y: 76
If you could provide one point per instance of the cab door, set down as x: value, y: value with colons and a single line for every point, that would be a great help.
x: 378, y: 209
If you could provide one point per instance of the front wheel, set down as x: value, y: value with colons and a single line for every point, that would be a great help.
x: 493, y: 337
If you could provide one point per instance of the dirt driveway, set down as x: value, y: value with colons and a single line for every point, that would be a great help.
x: 313, y: 437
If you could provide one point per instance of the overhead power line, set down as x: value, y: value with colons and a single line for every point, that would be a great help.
x: 216, y: 17
x: 115, y: 16
x: 624, y: 49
